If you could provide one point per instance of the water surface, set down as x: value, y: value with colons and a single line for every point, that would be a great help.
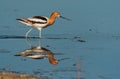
x: 87, y: 47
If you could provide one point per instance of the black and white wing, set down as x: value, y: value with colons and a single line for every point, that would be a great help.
x: 35, y: 21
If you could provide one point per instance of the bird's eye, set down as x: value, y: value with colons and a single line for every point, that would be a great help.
x: 58, y: 16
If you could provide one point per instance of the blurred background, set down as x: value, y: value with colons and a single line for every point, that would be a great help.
x: 88, y: 46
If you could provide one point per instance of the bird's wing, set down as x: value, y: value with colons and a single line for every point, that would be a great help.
x: 38, y: 19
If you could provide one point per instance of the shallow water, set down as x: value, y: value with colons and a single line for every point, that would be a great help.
x: 85, y: 47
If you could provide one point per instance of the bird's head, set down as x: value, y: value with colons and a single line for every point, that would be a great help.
x: 52, y: 60
x: 57, y: 15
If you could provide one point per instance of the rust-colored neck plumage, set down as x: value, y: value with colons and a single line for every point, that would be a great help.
x: 52, y: 18
x: 52, y: 60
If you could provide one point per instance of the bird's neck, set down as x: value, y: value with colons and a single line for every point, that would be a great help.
x: 51, y: 59
x: 51, y: 20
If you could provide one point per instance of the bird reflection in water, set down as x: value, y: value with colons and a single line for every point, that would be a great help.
x: 37, y: 52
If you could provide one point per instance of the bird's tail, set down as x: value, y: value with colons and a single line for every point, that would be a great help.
x: 24, y: 21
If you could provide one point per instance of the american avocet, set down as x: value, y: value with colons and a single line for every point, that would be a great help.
x: 38, y: 52
x: 40, y: 22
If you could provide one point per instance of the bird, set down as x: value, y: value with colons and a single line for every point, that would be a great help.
x: 40, y: 22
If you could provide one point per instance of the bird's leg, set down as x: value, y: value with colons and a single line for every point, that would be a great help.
x: 40, y: 37
x: 40, y: 33
x: 26, y: 36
